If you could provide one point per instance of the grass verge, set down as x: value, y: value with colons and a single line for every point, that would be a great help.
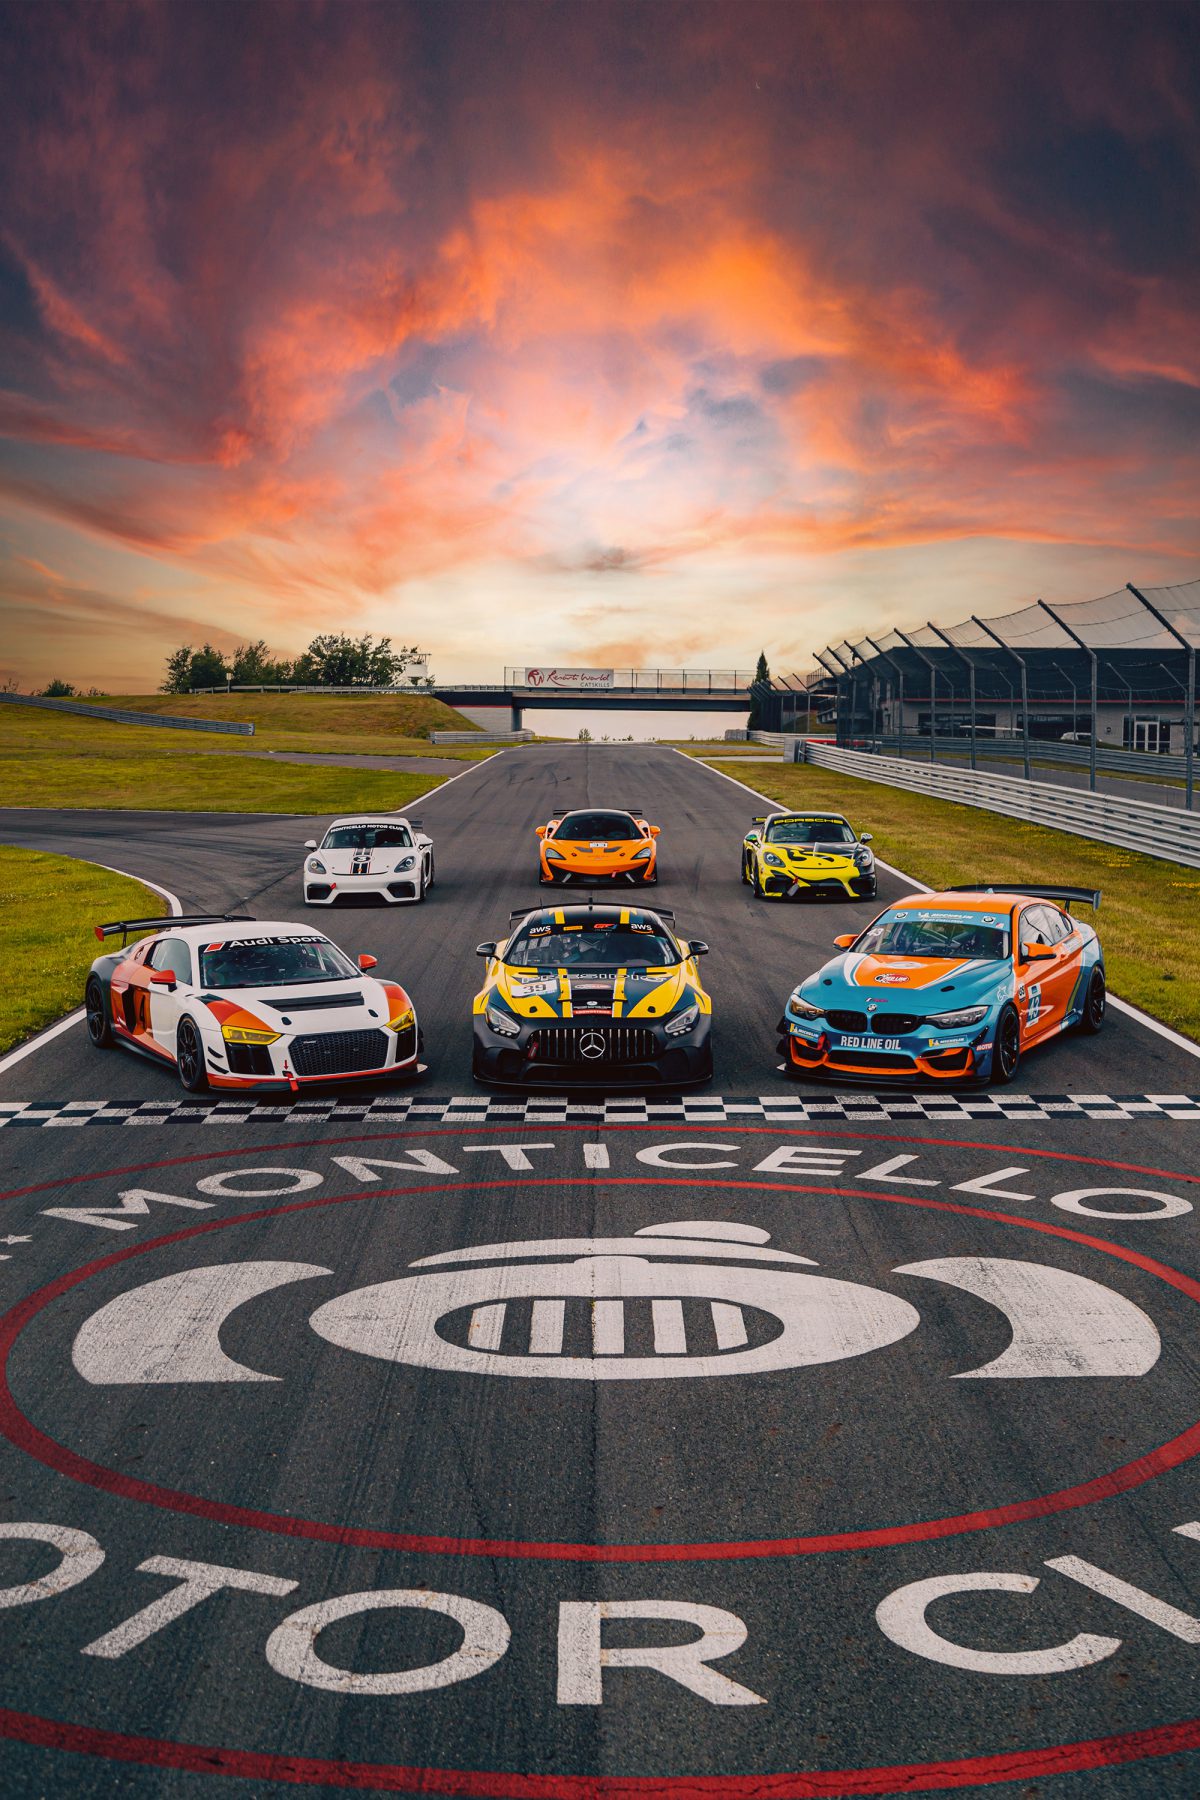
x: 200, y: 783
x: 48, y: 906
x: 1147, y: 918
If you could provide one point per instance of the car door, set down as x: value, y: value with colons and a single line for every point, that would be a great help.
x: 1045, y: 984
x: 169, y: 956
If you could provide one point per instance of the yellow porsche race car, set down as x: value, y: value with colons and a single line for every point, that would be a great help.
x: 605, y: 995
x: 593, y: 845
x: 789, y: 853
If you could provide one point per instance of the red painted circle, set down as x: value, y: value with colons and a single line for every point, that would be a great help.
x: 26, y: 1436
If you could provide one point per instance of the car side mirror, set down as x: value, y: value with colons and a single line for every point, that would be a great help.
x: 1035, y: 952
x: 162, y: 978
x: 866, y: 837
x: 752, y: 837
x: 310, y: 843
x: 541, y: 831
x: 654, y: 830
x: 367, y: 962
x: 845, y: 940
x: 698, y: 947
x: 485, y: 949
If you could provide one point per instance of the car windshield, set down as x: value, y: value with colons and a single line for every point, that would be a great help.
x: 597, y: 828
x: 595, y: 946
x: 273, y: 962
x: 954, y: 936
x: 366, y: 837
x: 809, y: 831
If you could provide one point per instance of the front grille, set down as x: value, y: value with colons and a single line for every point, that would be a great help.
x: 895, y: 1024
x: 621, y: 1044
x: 339, y: 1052
x: 887, y: 1062
x: 406, y: 1042
x: 847, y: 1021
x: 317, y: 1002
x: 318, y: 890
x: 248, y: 1059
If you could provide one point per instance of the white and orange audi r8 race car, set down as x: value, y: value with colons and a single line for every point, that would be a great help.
x: 248, y: 1003
x: 595, y: 844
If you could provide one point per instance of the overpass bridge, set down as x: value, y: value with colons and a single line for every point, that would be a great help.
x: 502, y: 705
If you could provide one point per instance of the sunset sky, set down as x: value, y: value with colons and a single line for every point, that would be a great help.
x: 644, y: 333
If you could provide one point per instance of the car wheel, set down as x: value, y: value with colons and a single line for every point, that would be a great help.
x: 746, y: 870
x: 189, y: 1058
x: 1006, y: 1055
x: 431, y: 878
x: 1095, y: 1005
x: 422, y: 885
x: 760, y: 892
x: 99, y: 1024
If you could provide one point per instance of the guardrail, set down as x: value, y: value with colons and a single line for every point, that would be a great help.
x: 1168, y: 832
x: 1151, y: 763
x: 230, y: 727
x: 481, y: 737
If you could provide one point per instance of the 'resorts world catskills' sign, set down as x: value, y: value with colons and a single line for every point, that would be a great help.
x: 569, y: 678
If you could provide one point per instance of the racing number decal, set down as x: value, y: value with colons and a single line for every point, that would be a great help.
x: 1035, y: 1003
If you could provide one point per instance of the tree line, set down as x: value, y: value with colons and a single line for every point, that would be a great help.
x: 331, y: 660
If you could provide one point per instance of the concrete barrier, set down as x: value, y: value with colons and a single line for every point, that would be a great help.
x: 230, y: 727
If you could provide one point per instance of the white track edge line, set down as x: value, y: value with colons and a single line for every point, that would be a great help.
x: 1134, y: 1012
x: 52, y: 1031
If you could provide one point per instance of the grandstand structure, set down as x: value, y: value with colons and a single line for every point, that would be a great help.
x: 1117, y: 673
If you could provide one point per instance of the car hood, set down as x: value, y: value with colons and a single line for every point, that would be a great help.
x: 930, y: 984
x: 588, y: 852
x: 334, y: 1006
x: 364, y: 862
x: 810, y: 856
x: 623, y: 993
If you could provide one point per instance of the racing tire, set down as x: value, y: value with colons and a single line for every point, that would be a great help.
x: 99, y: 1020
x: 189, y: 1059
x: 432, y: 876
x: 1095, y: 1005
x: 759, y: 891
x: 746, y: 871
x: 1006, y: 1055
x: 422, y: 885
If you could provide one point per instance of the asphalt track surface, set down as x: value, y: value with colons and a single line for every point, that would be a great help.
x: 420, y: 1561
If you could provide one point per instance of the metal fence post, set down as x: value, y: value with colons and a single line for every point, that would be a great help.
x: 1189, y: 720
x: 1091, y: 655
x: 963, y: 657
x: 932, y: 667
x: 1020, y: 661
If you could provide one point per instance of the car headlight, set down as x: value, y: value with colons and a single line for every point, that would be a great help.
x: 242, y: 1034
x: 402, y: 1021
x: 502, y: 1023
x: 644, y: 855
x: 803, y: 1009
x: 683, y: 1021
x: 776, y: 862
x: 406, y: 862
x: 315, y: 866
x: 864, y: 857
x: 966, y: 1015
x: 557, y: 855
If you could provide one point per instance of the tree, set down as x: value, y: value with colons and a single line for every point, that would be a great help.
x: 207, y: 669
x: 254, y: 666
x: 335, y: 660
x: 177, y: 680
x: 58, y: 690
x: 585, y: 736
x: 762, y: 675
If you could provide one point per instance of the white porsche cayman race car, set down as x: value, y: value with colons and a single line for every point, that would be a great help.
x: 377, y: 856
x: 248, y: 1003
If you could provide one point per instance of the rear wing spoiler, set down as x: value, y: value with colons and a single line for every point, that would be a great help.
x: 125, y: 926
x: 1064, y: 895
x: 660, y: 912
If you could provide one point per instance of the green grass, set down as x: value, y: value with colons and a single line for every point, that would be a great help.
x: 48, y: 906
x: 1147, y: 920
x: 371, y: 725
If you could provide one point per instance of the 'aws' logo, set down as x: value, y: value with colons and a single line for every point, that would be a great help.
x: 675, y: 1301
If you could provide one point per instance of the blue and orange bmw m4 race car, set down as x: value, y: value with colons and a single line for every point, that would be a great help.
x: 949, y: 987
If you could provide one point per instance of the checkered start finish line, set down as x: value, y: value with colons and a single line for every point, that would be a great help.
x: 560, y: 1109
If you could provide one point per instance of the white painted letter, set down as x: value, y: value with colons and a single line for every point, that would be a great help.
x: 134, y: 1206
x: 513, y: 1154
x: 419, y: 1161
x: 81, y: 1556
x: 804, y: 1159
x: 197, y: 1580
x: 1173, y: 1205
x: 1133, y: 1599
x: 901, y: 1617
x: 659, y: 1156
x: 298, y: 1180
x: 291, y: 1647
x: 582, y: 1659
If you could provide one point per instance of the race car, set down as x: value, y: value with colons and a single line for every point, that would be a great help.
x: 605, y: 995
x: 597, y: 844
x: 949, y: 987
x: 234, y: 1002
x: 373, y: 856
x: 786, y: 853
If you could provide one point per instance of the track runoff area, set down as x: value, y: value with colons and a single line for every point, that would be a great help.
x: 779, y: 1442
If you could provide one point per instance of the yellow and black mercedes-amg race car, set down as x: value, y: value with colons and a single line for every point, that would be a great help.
x: 605, y: 995
x: 790, y: 853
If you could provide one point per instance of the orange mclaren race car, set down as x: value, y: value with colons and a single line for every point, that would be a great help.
x: 599, y: 844
x: 949, y: 987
